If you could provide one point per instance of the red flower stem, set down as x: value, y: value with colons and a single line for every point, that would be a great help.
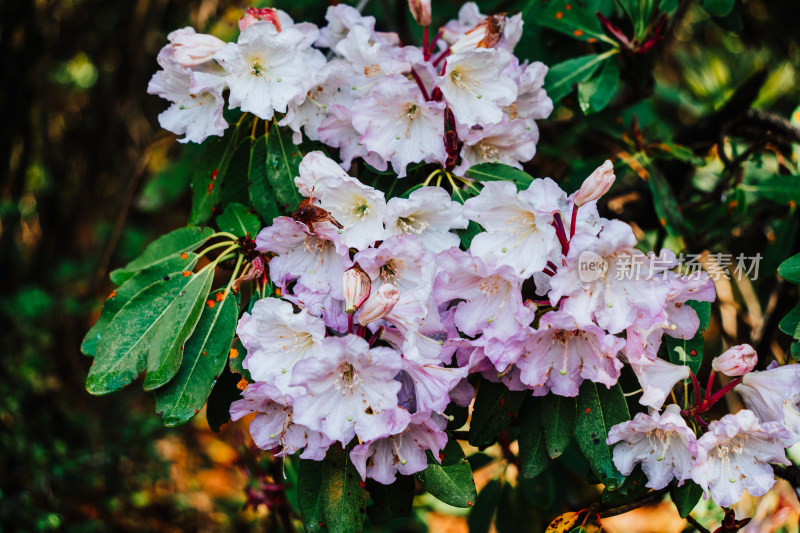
x: 718, y: 395
x: 561, y: 233
x: 441, y: 56
x: 552, y: 266
x: 425, y: 53
x: 707, y: 395
x: 375, y: 336
x: 698, y: 398
x: 574, y: 221
x: 435, y: 40
x: 349, y: 322
x: 420, y: 84
x: 549, y: 273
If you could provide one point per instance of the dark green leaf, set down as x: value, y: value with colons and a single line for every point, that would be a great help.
x: 532, y: 446
x: 573, y: 21
x: 459, y: 416
x: 343, y: 499
x: 452, y: 484
x: 495, y: 408
x: 210, y: 175
x: 480, y: 518
x: 468, y: 234
x: 718, y: 8
x: 500, y: 172
x: 789, y: 323
x: 224, y: 393
x: 689, y: 352
x: 633, y: 488
x: 309, y: 494
x: 790, y: 269
x: 686, y: 497
x: 261, y: 194
x: 238, y: 219
x: 125, y: 292
x: 164, y: 248
x: 148, y: 334
x: 778, y: 249
x: 390, y: 501
x: 558, y: 421
x: 283, y: 160
x: 780, y: 189
x: 238, y: 353
x: 598, y: 410
x: 563, y: 76
x: 595, y: 93
x: 236, y: 186
x: 204, y: 356
x: 665, y: 203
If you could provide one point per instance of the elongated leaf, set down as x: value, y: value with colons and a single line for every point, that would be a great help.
x: 450, y: 483
x: 224, y: 393
x: 164, y: 248
x: 790, y: 269
x: 665, y: 203
x: 689, y: 352
x: 563, y: 523
x: 788, y: 324
x: 500, y: 172
x: 563, y: 76
x: 780, y: 189
x: 532, y: 446
x: 595, y: 94
x: 125, y: 292
x: 261, y: 194
x: 204, y: 357
x: 283, y: 161
x: 237, y: 219
x: 390, y: 501
x: 343, y: 499
x: 480, y: 518
x: 598, y: 410
x: 718, y: 8
x: 148, y: 332
x: 558, y: 420
x: 210, y: 175
x: 309, y: 494
x: 236, y: 358
x: 495, y: 408
x: 573, y: 21
x: 686, y: 497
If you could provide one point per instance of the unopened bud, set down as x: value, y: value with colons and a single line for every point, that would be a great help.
x: 253, y: 14
x: 596, y: 185
x: 192, y: 48
x: 379, y: 304
x: 736, y: 361
x: 257, y: 267
x: 421, y: 11
x: 356, y: 285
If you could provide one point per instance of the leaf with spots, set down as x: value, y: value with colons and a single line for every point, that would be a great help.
x: 344, y: 500
x: 689, y: 352
x: 262, y: 197
x: 283, y: 162
x: 165, y: 248
x: 451, y: 481
x: 238, y: 219
x: 558, y: 421
x: 309, y: 494
x: 567, y: 17
x: 236, y: 359
x: 481, y: 517
x: 125, y: 292
x: 204, y: 356
x: 596, y: 93
x: 148, y: 333
x: 532, y: 445
x: 563, y: 523
x: 599, y: 409
x: 495, y: 408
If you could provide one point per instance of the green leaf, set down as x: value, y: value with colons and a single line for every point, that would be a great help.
x: 780, y: 189
x: 718, y: 8
x: 261, y: 194
x: 665, y: 203
x: 689, y: 352
x: 237, y: 355
x: 125, y: 292
x: 451, y: 483
x: 148, y: 334
x: 790, y: 269
x: 204, y: 356
x: 495, y: 407
x: 238, y: 219
x: 562, y: 76
x: 224, y: 393
x: 165, y: 248
x: 558, y: 421
x: 343, y: 499
x: 211, y: 172
x: 573, y: 21
x: 500, y: 172
x: 283, y: 160
x: 466, y: 235
x: 309, y: 494
x: 686, y: 497
x: 390, y: 501
x: 480, y: 518
x: 789, y: 323
x: 595, y: 94
x: 598, y: 410
x: 532, y: 446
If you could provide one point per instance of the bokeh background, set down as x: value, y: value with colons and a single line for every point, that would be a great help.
x: 88, y: 180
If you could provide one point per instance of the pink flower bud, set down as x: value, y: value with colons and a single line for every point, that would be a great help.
x: 257, y: 268
x: 253, y: 14
x: 596, y: 185
x: 356, y: 284
x: 379, y: 304
x: 421, y: 11
x: 736, y: 361
x: 193, y: 49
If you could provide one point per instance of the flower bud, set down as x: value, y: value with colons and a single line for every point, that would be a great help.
x: 193, y: 49
x: 356, y: 285
x: 257, y: 269
x: 736, y: 361
x: 379, y: 304
x: 596, y: 185
x: 421, y: 11
x: 253, y: 14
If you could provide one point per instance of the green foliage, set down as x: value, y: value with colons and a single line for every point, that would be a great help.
x: 686, y: 497
x: 450, y: 481
x: 495, y: 408
x: 342, y: 498
x: 689, y: 352
x: 238, y: 219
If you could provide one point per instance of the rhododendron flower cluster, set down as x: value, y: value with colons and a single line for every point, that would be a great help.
x: 461, y: 99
